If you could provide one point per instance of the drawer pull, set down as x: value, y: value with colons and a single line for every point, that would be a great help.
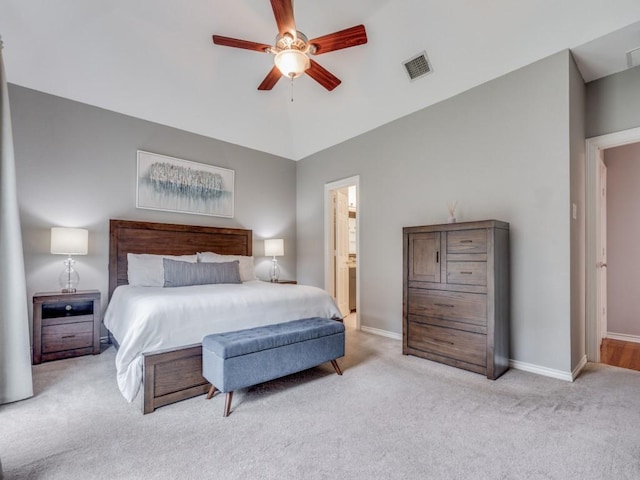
x: 437, y: 340
x: 68, y: 308
x: 466, y: 241
x: 466, y: 273
x: 68, y: 336
x: 444, y: 305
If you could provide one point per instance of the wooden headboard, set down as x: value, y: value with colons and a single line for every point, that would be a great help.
x: 169, y: 239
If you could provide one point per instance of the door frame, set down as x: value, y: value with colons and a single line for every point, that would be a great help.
x: 328, y: 209
x: 593, y: 235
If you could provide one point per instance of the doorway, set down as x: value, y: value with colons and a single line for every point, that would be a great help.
x: 342, y: 214
x: 596, y: 263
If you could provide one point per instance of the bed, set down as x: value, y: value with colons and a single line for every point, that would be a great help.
x: 158, y: 331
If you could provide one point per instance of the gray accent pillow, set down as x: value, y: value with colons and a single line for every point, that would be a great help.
x: 182, y: 274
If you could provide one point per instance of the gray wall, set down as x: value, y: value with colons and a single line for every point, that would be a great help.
x: 623, y: 238
x: 501, y: 150
x: 577, y: 110
x: 613, y: 103
x: 76, y: 167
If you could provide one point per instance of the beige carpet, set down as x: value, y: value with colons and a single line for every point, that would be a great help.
x: 388, y: 417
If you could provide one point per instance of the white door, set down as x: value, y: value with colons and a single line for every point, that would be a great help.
x: 602, y: 263
x: 342, y: 250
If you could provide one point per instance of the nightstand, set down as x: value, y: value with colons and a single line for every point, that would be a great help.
x: 65, y: 325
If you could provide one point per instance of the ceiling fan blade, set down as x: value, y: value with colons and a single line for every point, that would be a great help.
x: 349, y: 37
x: 234, y: 42
x: 271, y: 79
x: 323, y: 76
x: 283, y: 11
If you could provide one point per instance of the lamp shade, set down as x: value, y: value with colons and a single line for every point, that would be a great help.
x: 274, y: 247
x: 69, y: 241
x: 292, y: 63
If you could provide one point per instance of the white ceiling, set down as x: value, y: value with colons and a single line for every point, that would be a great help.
x: 154, y: 59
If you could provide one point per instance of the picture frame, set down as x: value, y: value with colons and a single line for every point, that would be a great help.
x: 175, y: 185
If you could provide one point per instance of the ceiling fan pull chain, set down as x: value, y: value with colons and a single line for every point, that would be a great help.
x: 292, y: 89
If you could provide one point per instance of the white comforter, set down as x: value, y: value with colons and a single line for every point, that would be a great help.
x: 146, y: 319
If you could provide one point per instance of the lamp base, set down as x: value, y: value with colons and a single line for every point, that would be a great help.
x: 275, y: 271
x: 69, y: 278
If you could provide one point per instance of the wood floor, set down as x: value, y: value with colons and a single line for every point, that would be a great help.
x: 620, y: 354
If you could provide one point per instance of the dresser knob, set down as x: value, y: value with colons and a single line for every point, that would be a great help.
x: 68, y: 308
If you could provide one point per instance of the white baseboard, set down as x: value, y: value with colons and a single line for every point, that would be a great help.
x: 382, y: 333
x: 525, y: 367
x: 537, y: 369
x: 624, y: 337
x: 576, y: 371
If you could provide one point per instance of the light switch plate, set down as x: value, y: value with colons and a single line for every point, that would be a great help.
x: 574, y: 211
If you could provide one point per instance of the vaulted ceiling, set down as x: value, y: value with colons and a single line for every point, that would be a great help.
x: 155, y: 60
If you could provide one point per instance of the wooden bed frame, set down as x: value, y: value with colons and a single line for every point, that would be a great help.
x: 174, y: 374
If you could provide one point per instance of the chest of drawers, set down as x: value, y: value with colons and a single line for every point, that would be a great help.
x: 456, y: 295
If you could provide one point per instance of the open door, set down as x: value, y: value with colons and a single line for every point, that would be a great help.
x: 341, y: 258
x: 595, y: 251
x: 602, y: 262
x: 341, y: 281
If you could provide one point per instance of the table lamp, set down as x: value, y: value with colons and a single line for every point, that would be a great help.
x: 69, y: 241
x: 274, y: 248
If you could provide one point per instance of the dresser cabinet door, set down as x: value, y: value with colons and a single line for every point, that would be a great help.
x: 424, y: 257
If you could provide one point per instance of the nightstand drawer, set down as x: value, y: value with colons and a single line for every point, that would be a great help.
x: 67, y: 336
x: 47, y: 322
x: 67, y: 309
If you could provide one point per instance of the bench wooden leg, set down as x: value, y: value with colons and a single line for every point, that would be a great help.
x: 336, y: 367
x: 227, y: 404
x: 212, y: 392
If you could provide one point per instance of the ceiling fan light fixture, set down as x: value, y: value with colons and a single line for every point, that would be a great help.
x: 292, y: 63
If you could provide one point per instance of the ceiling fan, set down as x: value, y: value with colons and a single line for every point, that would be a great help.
x: 292, y: 48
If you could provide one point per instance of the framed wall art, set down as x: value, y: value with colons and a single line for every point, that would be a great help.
x: 175, y: 185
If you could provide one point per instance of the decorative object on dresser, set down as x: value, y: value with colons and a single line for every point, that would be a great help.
x: 456, y: 295
x: 451, y: 207
x: 65, y: 325
x: 274, y: 247
x: 69, y: 241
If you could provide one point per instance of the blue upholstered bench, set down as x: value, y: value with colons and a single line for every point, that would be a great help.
x: 242, y: 358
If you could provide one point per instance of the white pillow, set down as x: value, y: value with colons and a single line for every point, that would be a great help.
x: 147, y: 270
x: 247, y: 270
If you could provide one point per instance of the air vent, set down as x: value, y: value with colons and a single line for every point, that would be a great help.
x: 633, y: 57
x: 418, y: 66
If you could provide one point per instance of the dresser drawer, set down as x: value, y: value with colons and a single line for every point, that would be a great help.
x: 467, y: 241
x: 448, y: 342
x: 467, y: 273
x: 67, y: 336
x: 462, y: 307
